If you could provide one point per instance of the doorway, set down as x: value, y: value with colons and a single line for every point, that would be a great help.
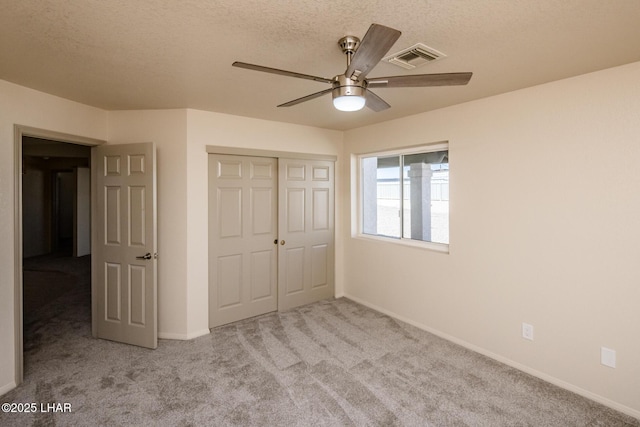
x: 271, y: 234
x: 56, y: 224
x: 52, y: 231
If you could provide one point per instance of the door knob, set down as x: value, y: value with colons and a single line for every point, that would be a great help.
x: 282, y: 242
x: 145, y: 256
x: 275, y: 242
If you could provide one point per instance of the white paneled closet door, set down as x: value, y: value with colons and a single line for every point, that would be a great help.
x: 306, y: 232
x: 242, y: 237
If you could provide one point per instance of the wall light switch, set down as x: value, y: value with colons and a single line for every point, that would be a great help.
x: 527, y: 331
x: 608, y: 357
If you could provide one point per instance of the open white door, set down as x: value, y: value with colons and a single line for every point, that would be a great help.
x: 125, y: 256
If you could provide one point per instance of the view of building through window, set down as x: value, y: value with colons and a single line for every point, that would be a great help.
x: 417, y: 209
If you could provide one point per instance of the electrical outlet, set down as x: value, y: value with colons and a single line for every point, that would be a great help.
x: 608, y: 357
x: 527, y: 331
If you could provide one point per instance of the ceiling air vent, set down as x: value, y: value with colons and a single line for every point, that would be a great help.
x: 414, y: 56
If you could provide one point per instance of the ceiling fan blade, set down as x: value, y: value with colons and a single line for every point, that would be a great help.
x: 375, y: 102
x: 281, y: 72
x: 421, y: 80
x: 373, y: 47
x: 306, y: 98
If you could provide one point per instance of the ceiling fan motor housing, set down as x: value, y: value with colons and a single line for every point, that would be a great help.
x: 344, y: 86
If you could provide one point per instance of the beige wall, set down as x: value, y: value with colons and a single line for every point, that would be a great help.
x: 205, y: 128
x: 545, y: 225
x: 36, y: 220
x: 19, y: 105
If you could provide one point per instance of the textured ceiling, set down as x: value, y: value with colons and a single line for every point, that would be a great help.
x: 157, y: 54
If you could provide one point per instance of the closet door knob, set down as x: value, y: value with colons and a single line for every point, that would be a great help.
x: 282, y: 242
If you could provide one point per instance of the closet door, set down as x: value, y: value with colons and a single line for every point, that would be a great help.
x: 242, y: 235
x: 306, y: 232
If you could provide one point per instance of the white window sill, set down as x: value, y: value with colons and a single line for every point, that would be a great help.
x: 431, y: 246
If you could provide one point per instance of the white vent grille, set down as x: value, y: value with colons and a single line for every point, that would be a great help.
x: 414, y: 56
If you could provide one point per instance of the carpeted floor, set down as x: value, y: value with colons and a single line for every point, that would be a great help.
x: 49, y: 276
x: 333, y: 363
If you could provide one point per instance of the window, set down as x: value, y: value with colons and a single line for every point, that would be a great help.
x: 405, y: 195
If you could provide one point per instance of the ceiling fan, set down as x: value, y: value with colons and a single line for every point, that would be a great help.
x: 351, y: 90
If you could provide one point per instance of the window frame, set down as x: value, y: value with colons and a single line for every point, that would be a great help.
x: 358, y: 220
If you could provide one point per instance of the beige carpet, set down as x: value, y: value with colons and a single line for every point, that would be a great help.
x: 333, y: 363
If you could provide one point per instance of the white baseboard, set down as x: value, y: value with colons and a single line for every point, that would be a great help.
x: 548, y: 378
x: 7, y: 388
x: 182, y: 337
x: 200, y: 333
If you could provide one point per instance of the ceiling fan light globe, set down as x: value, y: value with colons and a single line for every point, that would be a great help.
x: 349, y: 102
x: 348, y: 94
